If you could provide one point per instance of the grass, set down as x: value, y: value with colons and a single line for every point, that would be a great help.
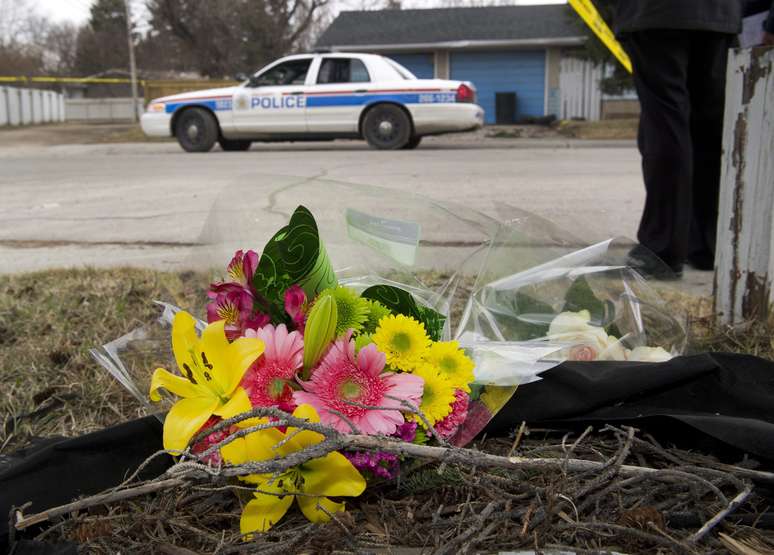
x: 48, y: 323
x: 608, y: 129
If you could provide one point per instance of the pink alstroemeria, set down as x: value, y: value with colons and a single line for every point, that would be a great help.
x: 242, y: 267
x: 295, y: 306
x: 344, y: 384
x: 234, y: 301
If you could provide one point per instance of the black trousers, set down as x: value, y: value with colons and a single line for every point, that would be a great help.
x: 680, y: 78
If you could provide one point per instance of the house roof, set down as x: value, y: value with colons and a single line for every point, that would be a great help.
x: 452, y: 26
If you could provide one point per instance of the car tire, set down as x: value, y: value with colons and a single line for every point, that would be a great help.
x: 196, y: 130
x: 413, y: 142
x: 387, y: 127
x: 234, y: 145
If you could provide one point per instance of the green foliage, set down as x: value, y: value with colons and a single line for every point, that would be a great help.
x: 401, y: 302
x: 295, y: 255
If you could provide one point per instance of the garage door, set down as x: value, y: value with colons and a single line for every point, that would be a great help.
x: 521, y: 71
x: 420, y: 65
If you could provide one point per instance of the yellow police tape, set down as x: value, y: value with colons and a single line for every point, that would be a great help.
x: 96, y: 80
x: 591, y: 16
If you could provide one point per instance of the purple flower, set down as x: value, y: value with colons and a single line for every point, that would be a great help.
x: 295, y: 305
x: 406, y: 431
x: 234, y: 301
x: 379, y: 463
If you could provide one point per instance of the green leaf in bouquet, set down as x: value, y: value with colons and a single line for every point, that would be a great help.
x: 401, y: 302
x: 295, y: 255
x: 532, y: 318
x: 580, y: 296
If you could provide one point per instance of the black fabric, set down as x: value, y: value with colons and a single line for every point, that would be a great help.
x: 58, y: 471
x: 721, y: 16
x: 719, y: 403
x: 680, y: 81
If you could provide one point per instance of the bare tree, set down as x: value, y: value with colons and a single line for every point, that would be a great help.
x: 21, y: 44
x: 61, y: 48
x: 225, y: 37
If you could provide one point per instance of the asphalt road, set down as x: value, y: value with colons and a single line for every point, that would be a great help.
x: 147, y: 203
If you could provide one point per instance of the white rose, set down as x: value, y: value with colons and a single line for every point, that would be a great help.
x: 588, y: 342
x: 649, y: 354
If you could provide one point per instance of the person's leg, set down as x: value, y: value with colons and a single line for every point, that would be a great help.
x: 706, y: 88
x: 660, y: 60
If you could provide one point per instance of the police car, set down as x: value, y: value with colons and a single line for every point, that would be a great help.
x: 318, y: 97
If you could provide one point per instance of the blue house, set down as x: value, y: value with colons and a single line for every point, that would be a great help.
x: 502, y: 49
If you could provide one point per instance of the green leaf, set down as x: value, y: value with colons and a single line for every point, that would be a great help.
x: 294, y: 255
x: 401, y: 302
x: 580, y: 296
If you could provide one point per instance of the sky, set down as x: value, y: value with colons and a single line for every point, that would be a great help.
x: 77, y: 11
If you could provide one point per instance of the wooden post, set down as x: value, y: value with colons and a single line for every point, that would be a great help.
x: 744, y: 262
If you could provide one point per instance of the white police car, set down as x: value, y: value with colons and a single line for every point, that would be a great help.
x: 318, y: 97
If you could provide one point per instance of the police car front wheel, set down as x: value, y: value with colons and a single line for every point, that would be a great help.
x: 387, y: 127
x: 196, y: 130
x: 234, y: 145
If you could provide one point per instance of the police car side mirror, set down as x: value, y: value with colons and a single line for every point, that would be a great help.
x: 241, y: 77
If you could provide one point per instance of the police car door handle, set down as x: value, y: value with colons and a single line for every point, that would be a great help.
x: 297, y: 92
x: 360, y: 91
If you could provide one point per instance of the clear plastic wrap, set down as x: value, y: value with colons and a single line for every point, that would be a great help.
x: 515, y: 291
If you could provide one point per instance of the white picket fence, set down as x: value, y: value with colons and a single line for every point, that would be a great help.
x: 579, y: 86
x: 30, y: 106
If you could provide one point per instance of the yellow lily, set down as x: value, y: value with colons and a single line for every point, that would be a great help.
x: 309, y: 483
x: 211, y: 369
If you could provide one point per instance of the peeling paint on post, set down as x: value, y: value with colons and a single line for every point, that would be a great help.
x: 744, y: 262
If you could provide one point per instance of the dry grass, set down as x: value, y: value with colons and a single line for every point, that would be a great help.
x: 602, y: 130
x: 48, y: 323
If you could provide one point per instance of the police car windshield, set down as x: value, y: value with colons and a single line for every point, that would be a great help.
x: 292, y: 72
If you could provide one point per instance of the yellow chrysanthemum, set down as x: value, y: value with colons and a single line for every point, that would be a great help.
x: 452, y: 362
x: 403, y: 340
x: 437, y: 395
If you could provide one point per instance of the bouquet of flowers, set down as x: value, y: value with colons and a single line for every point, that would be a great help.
x: 283, y: 333
x: 292, y: 352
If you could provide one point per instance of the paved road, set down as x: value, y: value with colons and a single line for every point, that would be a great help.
x: 145, y: 204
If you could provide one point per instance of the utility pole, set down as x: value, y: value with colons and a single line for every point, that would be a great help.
x: 132, y: 63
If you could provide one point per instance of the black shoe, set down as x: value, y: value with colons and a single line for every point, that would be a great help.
x: 702, y: 261
x: 651, y: 266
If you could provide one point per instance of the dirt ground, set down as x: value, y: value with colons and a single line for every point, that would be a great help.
x: 71, y: 133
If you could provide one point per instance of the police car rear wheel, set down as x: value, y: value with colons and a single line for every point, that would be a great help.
x: 387, y: 127
x: 196, y: 130
x: 234, y: 145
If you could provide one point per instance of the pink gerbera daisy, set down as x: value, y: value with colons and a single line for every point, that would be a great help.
x: 342, y: 379
x: 269, y: 382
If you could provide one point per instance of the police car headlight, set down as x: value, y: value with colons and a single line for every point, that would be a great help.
x: 156, y: 107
